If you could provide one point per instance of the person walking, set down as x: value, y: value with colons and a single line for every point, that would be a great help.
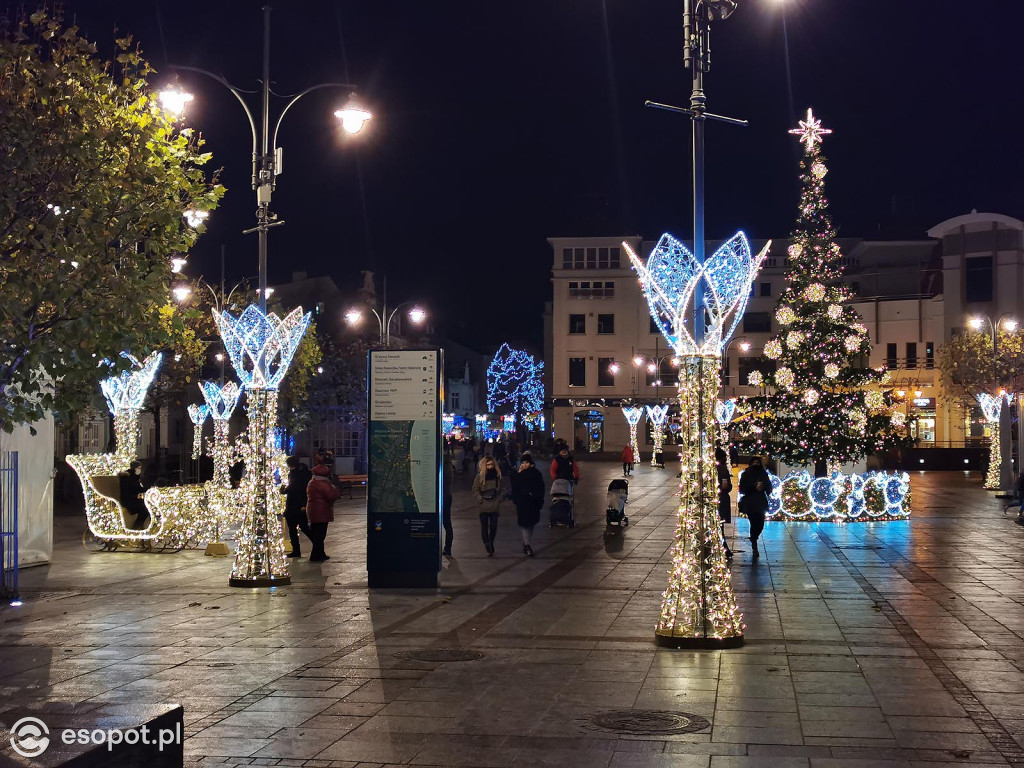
x: 563, y: 466
x: 628, y: 459
x: 527, y: 487
x: 447, y: 480
x: 295, y: 503
x: 487, y: 489
x: 755, y: 485
x: 321, y: 494
x: 724, y: 500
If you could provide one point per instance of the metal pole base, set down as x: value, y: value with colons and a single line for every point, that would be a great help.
x: 698, y: 643
x: 280, y: 581
x: 217, y: 549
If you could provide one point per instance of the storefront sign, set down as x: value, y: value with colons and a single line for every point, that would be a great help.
x: 403, y: 495
x: 924, y: 402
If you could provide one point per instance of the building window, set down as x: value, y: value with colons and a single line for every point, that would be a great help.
x: 766, y: 289
x: 978, y: 279
x: 654, y: 326
x: 605, y: 377
x: 453, y: 399
x: 608, y: 258
x: 606, y: 323
x: 577, y: 372
x: 911, y: 354
x: 591, y: 290
x: 591, y: 258
x: 757, y: 322
x: 577, y: 323
x: 929, y: 354
x: 613, y: 257
x: 891, y: 358
x: 567, y: 258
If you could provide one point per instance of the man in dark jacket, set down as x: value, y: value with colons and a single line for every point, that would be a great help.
x: 295, y: 503
x: 131, y: 491
x: 755, y: 485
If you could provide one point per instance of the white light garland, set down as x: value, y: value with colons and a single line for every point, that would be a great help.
x: 991, y: 407
x: 831, y: 370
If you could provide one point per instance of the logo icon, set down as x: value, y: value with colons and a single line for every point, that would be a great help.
x: 30, y: 737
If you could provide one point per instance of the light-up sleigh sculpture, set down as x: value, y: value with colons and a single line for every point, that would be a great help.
x: 657, y: 415
x: 698, y: 608
x: 261, y: 347
x: 111, y: 526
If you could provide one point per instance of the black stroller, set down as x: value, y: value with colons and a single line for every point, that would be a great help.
x: 562, y: 512
x: 615, y: 514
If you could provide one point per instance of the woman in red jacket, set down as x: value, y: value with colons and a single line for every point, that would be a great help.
x: 321, y: 494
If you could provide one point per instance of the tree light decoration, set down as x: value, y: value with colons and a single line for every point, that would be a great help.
x: 508, y: 423
x: 633, y: 415
x: 198, y: 414
x: 773, y: 349
x: 807, y: 415
x: 514, y: 384
x: 698, y: 607
x: 755, y: 379
x: 990, y: 407
x: 261, y: 347
x: 867, y: 497
x: 724, y: 412
x: 447, y: 424
x: 657, y: 415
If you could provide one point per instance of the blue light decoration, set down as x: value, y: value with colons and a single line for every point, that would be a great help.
x: 514, y: 383
x: 840, y: 498
x: 127, y: 391
x: 670, y: 279
x: 221, y: 398
x: 447, y: 423
x: 724, y: 411
x: 508, y: 423
x: 198, y: 415
x: 260, y: 345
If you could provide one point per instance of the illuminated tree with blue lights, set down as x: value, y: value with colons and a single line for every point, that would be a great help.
x: 514, y: 383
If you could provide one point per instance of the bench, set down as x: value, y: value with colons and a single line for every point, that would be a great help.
x: 348, y: 482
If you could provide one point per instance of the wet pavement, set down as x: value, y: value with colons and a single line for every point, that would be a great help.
x: 872, y: 645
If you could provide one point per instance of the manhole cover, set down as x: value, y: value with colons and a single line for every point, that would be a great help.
x: 441, y: 654
x: 649, y: 721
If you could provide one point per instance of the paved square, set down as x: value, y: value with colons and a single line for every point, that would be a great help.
x: 869, y: 645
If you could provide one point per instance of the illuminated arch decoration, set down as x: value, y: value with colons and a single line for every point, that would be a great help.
x: 991, y: 407
x: 198, y: 414
x: 657, y: 415
x: 698, y: 607
x: 840, y: 498
x: 261, y: 346
x: 633, y: 414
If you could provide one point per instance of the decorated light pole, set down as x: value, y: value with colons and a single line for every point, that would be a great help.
x: 992, y: 408
x: 221, y: 400
x: 198, y: 415
x: 657, y: 415
x: 261, y: 347
x: 724, y: 411
x: 633, y: 414
x: 699, y: 607
x: 125, y: 395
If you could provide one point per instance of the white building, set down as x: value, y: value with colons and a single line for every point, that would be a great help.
x: 912, y: 295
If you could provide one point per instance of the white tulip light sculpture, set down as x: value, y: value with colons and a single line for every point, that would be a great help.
x: 657, y: 415
x: 633, y: 414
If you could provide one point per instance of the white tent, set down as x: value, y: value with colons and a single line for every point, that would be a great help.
x: 35, y: 489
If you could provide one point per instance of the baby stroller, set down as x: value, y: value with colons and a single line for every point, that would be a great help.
x: 615, y: 517
x: 561, y: 512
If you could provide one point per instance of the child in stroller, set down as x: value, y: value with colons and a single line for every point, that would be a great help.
x: 561, y: 512
x: 615, y: 514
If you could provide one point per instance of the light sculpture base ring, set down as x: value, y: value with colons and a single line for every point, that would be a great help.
x: 260, y: 582
x: 698, y: 643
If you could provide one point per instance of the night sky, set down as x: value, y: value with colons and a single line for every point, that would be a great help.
x: 497, y: 125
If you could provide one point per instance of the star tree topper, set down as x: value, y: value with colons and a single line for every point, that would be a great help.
x: 810, y: 131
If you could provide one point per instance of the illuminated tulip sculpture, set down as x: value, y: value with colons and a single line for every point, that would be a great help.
x: 699, y: 607
x: 261, y: 347
x: 991, y: 407
x: 221, y: 400
x: 657, y: 415
x: 124, y: 395
x: 198, y: 414
x: 724, y: 411
x: 633, y: 414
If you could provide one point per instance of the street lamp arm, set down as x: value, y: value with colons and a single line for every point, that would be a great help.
x: 236, y: 92
x: 295, y: 98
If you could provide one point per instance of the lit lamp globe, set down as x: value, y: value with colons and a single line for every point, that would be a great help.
x: 417, y: 315
x: 353, y: 317
x: 173, y: 100
x: 353, y: 117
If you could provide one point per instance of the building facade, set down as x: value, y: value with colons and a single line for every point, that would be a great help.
x: 603, y: 350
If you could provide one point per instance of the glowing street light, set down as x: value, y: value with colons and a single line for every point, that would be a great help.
x: 181, y: 292
x: 173, y: 100
x: 417, y: 315
x: 353, y: 117
x: 196, y: 218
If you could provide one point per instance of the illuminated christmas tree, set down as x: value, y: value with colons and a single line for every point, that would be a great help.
x: 514, y: 384
x: 819, y: 407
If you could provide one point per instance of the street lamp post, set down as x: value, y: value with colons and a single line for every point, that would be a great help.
x: 384, y: 319
x: 262, y: 564
x: 1007, y: 323
x: 744, y: 347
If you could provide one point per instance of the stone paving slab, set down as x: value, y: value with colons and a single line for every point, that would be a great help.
x: 882, y: 644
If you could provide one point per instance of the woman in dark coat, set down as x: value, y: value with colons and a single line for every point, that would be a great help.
x: 528, y: 496
x: 321, y: 494
x: 755, y: 485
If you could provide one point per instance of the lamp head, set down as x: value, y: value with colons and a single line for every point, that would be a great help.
x: 638, y: 361
x: 976, y: 323
x: 196, y: 218
x: 651, y: 367
x: 745, y: 346
x: 177, y: 264
x: 614, y: 368
x: 1011, y: 325
x: 181, y: 292
x: 417, y: 315
x: 173, y: 100
x: 720, y: 9
x: 352, y: 116
x: 353, y: 316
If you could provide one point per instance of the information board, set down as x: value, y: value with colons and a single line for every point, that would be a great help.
x: 403, y: 489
